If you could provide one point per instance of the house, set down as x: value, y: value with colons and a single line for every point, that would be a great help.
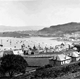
x: 18, y: 52
x: 74, y: 48
x: 74, y: 56
x: 5, y: 52
x: 60, y: 59
x: 51, y: 61
x: 1, y: 54
x: 15, y: 52
x: 78, y: 53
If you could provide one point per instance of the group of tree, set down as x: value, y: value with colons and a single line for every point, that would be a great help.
x: 12, y: 64
x: 78, y: 47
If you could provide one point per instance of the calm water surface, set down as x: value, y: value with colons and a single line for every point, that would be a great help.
x: 42, y: 41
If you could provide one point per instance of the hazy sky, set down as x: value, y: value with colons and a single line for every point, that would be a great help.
x: 41, y: 13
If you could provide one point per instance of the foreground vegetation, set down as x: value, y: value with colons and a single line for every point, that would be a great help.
x: 12, y: 64
x: 48, y: 72
x: 55, y: 72
x: 15, y: 64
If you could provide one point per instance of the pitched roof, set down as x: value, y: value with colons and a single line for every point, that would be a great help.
x: 74, y: 54
x: 8, y: 52
x: 61, y: 57
x: 15, y: 52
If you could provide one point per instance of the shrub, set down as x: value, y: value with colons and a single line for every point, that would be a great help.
x: 48, y: 66
x: 12, y: 64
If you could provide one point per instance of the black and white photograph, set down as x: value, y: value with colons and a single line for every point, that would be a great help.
x: 39, y: 39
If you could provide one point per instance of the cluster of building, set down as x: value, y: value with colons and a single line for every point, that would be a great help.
x: 38, y: 56
x: 55, y: 59
x: 38, y: 50
x: 62, y: 54
x: 65, y: 58
x: 5, y: 51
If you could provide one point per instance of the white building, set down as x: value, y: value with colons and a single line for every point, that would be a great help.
x: 75, y: 56
x: 18, y: 52
x: 60, y: 59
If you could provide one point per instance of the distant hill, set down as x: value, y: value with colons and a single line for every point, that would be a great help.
x: 20, y: 31
x: 54, y: 30
x: 13, y: 34
x: 61, y: 29
x: 19, y: 34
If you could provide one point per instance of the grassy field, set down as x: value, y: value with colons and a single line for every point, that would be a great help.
x: 37, y: 61
x: 42, y: 59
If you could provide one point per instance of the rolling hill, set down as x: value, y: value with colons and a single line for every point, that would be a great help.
x: 61, y: 29
x: 54, y: 30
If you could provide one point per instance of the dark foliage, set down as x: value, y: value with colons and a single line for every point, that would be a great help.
x: 12, y: 64
x: 53, y: 72
x: 48, y: 66
x: 78, y: 47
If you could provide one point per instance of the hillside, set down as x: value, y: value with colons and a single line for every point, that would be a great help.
x: 57, y: 30
x: 61, y: 29
x: 18, y: 34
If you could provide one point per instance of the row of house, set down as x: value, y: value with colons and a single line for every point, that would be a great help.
x: 64, y: 59
x: 44, y: 59
x: 57, y: 48
x: 14, y: 51
x: 52, y: 59
x: 41, y: 60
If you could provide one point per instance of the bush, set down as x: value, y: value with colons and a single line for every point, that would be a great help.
x: 48, y: 66
x: 12, y: 64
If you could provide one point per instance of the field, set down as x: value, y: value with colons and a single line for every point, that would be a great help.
x: 40, y: 59
x: 37, y: 61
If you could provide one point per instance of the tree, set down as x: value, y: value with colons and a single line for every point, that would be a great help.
x: 12, y: 64
x: 34, y: 47
x: 78, y: 47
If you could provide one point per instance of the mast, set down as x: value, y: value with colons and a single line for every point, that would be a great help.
x: 1, y: 41
x: 10, y: 42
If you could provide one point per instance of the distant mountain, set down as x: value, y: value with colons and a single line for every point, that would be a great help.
x: 61, y: 29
